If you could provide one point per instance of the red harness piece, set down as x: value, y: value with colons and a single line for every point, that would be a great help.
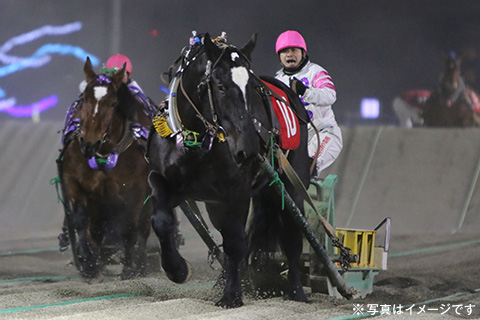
x: 474, y: 99
x: 289, y: 126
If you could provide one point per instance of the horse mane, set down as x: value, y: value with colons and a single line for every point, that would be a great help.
x: 126, y: 102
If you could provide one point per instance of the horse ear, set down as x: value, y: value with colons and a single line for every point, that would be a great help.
x: 249, y: 46
x: 118, y: 77
x: 213, y: 52
x: 88, y: 69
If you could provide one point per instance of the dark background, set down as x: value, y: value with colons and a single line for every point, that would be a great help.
x: 376, y: 48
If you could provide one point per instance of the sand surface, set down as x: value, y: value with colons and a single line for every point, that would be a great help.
x: 438, y: 274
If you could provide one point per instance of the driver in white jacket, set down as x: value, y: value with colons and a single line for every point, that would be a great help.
x: 316, y: 89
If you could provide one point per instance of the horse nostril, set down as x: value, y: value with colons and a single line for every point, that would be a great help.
x: 97, y: 145
x: 88, y: 149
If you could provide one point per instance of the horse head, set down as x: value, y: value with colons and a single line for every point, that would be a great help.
x: 216, y: 82
x: 98, y: 110
x: 451, y: 78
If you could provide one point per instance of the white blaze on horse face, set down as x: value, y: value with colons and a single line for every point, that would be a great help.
x: 240, y: 78
x: 234, y: 56
x: 99, y: 93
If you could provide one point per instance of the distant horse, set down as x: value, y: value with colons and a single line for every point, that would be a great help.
x: 452, y: 103
x: 103, y: 174
x: 207, y: 148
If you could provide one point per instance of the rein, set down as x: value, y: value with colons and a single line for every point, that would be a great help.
x: 210, y: 127
x: 208, y: 73
x: 344, y: 259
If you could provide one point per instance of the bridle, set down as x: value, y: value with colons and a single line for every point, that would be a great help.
x: 103, y: 79
x: 213, y: 129
x: 132, y: 131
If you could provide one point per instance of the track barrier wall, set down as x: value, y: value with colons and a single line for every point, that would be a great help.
x: 28, y: 203
x: 426, y: 180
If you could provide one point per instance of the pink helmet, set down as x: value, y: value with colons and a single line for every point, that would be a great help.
x: 290, y: 39
x: 117, y: 61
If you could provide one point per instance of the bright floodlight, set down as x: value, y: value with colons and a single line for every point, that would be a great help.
x: 370, y: 108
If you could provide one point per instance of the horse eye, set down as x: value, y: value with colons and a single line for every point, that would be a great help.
x: 221, y: 88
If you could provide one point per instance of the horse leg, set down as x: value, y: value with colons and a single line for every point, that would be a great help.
x: 87, y: 259
x: 129, y: 239
x: 140, y: 252
x: 176, y: 267
x: 129, y: 267
x: 230, y: 221
x: 134, y: 236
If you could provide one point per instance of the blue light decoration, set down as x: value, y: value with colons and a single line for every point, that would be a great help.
x: 41, y: 57
x: 34, y: 108
x: 370, y: 108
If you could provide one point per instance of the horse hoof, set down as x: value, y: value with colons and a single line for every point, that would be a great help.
x: 298, y: 295
x: 94, y: 280
x: 230, y: 303
x: 183, y: 276
x: 128, y: 274
x: 89, y: 274
x: 63, y: 241
x: 142, y: 271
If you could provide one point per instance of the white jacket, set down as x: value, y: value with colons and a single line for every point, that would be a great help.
x: 319, y: 96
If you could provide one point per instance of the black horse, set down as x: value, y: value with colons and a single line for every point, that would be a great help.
x: 207, y: 147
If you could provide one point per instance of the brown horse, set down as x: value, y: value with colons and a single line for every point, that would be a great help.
x: 452, y: 103
x: 103, y: 174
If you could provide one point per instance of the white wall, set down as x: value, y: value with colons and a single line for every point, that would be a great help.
x: 421, y: 178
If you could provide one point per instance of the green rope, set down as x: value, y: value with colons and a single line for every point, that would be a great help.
x: 277, y: 177
x: 278, y: 180
x: 56, y: 181
x: 148, y: 198
x: 105, y: 70
x: 190, y: 143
